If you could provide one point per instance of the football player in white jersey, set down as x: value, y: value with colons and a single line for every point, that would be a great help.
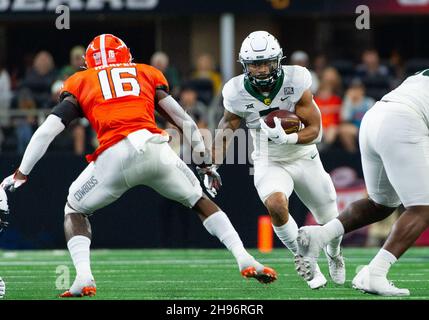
x: 394, y: 144
x: 282, y: 162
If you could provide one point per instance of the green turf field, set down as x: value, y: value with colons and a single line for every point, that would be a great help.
x: 194, y: 274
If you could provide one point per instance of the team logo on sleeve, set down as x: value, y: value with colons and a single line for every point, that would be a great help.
x: 249, y: 106
x: 288, y: 90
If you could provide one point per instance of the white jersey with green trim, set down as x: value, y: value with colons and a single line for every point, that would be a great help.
x: 240, y: 98
x: 414, y: 93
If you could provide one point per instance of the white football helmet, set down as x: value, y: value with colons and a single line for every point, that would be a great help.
x: 261, y: 48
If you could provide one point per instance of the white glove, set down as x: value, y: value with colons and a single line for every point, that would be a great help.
x: 278, y: 134
x: 11, y: 183
x: 211, y: 179
x: 2, y: 288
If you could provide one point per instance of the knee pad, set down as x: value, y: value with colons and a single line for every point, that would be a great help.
x: 324, y: 214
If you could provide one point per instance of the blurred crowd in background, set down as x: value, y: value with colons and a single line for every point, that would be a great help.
x: 344, y: 90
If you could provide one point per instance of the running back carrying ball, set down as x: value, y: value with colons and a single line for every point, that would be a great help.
x: 289, y: 120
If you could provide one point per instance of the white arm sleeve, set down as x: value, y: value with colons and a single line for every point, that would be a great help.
x: 40, y: 142
x: 184, y: 121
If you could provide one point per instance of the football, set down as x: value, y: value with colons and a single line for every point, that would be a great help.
x: 289, y: 120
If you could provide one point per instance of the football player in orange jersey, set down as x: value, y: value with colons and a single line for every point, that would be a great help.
x: 118, y: 98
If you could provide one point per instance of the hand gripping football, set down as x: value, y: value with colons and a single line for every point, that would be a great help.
x: 289, y: 120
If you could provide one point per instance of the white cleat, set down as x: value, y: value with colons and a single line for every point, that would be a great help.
x: 2, y: 288
x: 318, y: 281
x: 306, y: 267
x: 337, y: 269
x: 309, y: 247
x: 368, y: 283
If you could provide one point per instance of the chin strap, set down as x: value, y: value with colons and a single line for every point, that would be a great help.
x: 275, y: 76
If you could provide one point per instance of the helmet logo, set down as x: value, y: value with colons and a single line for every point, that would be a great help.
x: 97, y: 58
x: 111, y: 56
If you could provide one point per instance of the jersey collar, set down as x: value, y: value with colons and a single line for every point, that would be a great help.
x: 265, y: 100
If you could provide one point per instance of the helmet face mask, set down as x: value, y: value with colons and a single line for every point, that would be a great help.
x: 262, y: 73
x: 261, y: 55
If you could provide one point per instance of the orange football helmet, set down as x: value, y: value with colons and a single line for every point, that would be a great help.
x: 106, y: 49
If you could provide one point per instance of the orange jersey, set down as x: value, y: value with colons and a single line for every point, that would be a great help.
x: 117, y: 100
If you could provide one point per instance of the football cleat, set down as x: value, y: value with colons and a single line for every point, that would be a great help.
x: 266, y: 275
x: 318, y: 281
x: 368, y: 283
x: 306, y: 267
x: 337, y: 269
x: 2, y: 288
x: 86, y: 291
x: 309, y: 247
x: 81, y: 288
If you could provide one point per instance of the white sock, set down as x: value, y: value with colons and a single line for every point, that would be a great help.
x: 333, y: 229
x: 334, y: 246
x: 288, y: 233
x: 219, y: 225
x: 79, y: 251
x: 381, y: 263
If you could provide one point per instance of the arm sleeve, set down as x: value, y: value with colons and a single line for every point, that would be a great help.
x: 184, y: 121
x: 40, y: 142
x: 67, y: 111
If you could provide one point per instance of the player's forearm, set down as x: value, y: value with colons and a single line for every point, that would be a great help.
x: 183, y: 121
x: 223, y: 138
x: 310, y: 135
x: 40, y: 142
x: 219, y: 148
x: 310, y: 115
